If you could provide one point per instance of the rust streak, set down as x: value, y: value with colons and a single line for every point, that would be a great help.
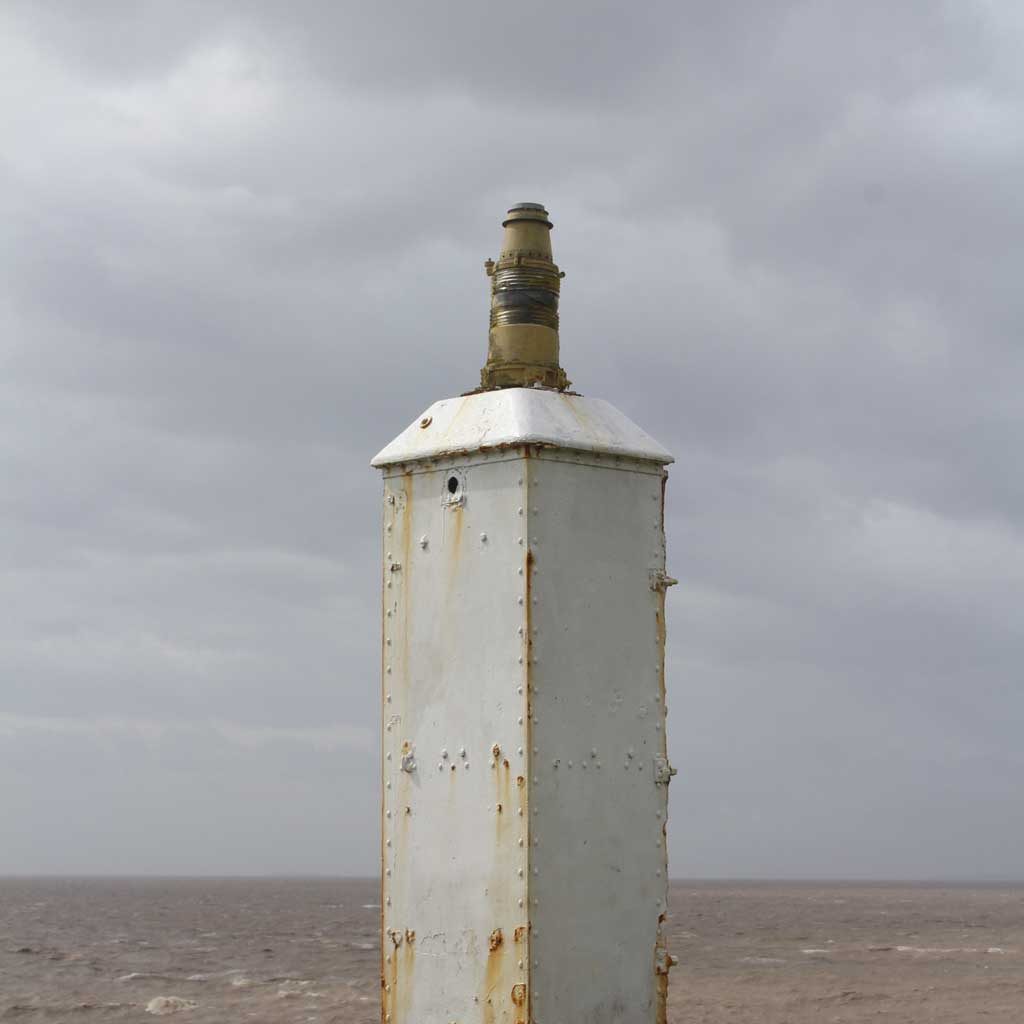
x: 520, y: 990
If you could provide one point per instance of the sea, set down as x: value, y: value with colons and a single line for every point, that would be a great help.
x: 281, y: 950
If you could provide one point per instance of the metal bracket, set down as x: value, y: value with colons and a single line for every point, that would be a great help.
x: 660, y: 580
x: 663, y: 771
x: 664, y: 961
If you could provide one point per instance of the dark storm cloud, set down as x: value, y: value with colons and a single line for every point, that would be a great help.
x: 243, y: 249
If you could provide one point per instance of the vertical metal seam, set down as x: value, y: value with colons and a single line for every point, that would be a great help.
x: 528, y: 740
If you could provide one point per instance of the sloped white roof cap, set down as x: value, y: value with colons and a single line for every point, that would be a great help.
x: 519, y: 416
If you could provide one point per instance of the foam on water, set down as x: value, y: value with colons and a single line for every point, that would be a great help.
x: 162, y: 1005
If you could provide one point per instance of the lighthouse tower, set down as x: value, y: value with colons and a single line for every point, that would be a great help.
x: 524, y: 766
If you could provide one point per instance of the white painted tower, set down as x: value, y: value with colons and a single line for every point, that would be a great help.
x: 525, y: 774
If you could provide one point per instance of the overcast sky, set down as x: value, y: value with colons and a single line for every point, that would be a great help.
x: 242, y: 248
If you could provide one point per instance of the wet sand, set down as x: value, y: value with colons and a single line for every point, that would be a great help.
x: 305, y: 950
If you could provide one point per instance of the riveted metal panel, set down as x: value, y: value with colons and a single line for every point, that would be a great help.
x: 455, y: 751
x: 524, y: 767
x: 599, y: 772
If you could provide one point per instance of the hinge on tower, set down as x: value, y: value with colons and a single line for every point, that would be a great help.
x: 660, y: 580
x: 663, y: 771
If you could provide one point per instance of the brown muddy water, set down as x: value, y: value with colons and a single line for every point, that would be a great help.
x: 305, y: 950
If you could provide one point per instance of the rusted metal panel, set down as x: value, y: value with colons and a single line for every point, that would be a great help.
x: 598, y: 794
x: 525, y: 771
x: 455, y: 799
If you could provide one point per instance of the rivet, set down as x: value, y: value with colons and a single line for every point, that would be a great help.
x: 520, y: 840
x: 440, y: 766
x: 520, y: 570
x: 388, y: 554
x: 387, y: 785
x: 483, y: 538
x: 388, y: 613
x: 388, y: 872
x: 491, y: 764
x: 388, y: 698
x: 388, y: 901
x: 520, y: 902
x: 536, y: 871
x: 520, y: 721
x: 519, y: 511
x: 424, y: 542
x: 519, y: 751
x: 520, y: 540
x: 466, y: 766
x: 598, y: 765
x: 462, y: 751
x: 519, y: 690
x: 520, y: 812
x: 519, y: 600
x: 387, y: 842
x: 388, y: 755
x: 535, y: 750
x: 570, y: 764
x: 387, y: 988
x: 387, y: 814
x: 629, y: 753
x: 389, y: 670
x: 388, y: 641
x: 520, y: 872
x: 583, y: 765
x: 520, y: 965
x: 444, y: 753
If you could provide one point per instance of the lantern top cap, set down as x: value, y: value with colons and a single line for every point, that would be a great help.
x: 527, y: 211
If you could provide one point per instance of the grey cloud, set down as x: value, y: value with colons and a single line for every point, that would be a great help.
x: 244, y: 250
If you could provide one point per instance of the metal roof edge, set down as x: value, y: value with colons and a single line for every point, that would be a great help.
x: 520, y: 416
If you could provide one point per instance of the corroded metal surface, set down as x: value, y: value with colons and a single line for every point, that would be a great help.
x: 524, y: 763
x: 598, y: 792
x: 455, y: 827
